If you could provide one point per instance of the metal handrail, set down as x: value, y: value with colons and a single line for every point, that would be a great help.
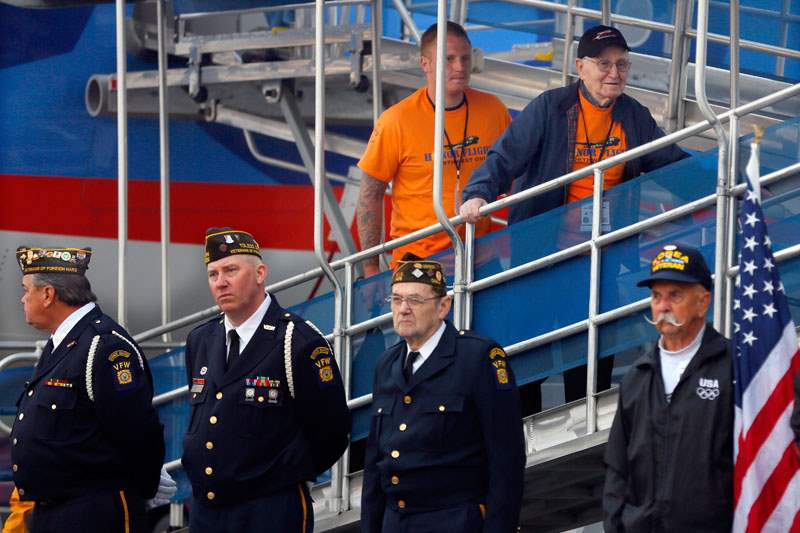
x: 723, y: 181
x: 527, y: 194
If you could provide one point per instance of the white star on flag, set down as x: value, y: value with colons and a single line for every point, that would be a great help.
x: 750, y: 243
x: 749, y: 315
x: 749, y: 291
x: 749, y: 338
x: 752, y: 220
x: 769, y: 309
x: 750, y: 267
x: 768, y: 286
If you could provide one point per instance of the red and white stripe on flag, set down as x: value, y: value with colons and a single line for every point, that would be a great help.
x: 767, y: 468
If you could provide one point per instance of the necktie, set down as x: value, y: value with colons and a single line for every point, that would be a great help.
x: 408, y: 368
x: 47, y: 350
x: 233, y: 349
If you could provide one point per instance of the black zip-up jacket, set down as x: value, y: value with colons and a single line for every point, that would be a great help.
x: 670, y: 465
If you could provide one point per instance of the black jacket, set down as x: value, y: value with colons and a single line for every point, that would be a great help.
x: 247, y: 437
x: 88, y: 425
x: 453, y: 434
x: 539, y: 145
x: 670, y: 465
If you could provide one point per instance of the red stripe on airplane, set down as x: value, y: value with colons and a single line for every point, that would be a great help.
x: 280, y: 216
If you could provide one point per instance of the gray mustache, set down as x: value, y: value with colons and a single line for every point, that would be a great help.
x: 667, y: 317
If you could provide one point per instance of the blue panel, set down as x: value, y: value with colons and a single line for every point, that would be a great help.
x: 318, y: 310
x: 33, y: 34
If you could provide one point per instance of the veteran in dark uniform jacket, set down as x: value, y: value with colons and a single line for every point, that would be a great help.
x: 87, y: 445
x: 670, y: 451
x: 446, y: 451
x: 268, y: 410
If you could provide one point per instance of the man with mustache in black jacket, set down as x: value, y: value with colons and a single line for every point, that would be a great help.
x: 670, y: 452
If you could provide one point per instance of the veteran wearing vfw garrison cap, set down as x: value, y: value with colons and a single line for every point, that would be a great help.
x: 87, y: 445
x: 446, y: 451
x: 670, y: 451
x: 268, y: 410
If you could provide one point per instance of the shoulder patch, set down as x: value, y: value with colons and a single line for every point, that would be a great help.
x: 320, y: 351
x: 497, y: 352
x: 117, y: 354
x: 500, y: 367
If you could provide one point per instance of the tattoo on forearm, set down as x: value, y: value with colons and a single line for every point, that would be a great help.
x: 370, y: 212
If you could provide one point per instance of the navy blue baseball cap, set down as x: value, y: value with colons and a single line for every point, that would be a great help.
x: 678, y: 262
x: 598, y: 38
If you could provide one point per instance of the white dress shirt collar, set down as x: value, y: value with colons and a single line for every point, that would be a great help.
x: 66, y: 326
x: 427, y: 349
x: 248, y: 328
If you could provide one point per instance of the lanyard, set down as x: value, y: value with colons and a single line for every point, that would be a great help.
x: 589, y: 142
x: 460, y: 159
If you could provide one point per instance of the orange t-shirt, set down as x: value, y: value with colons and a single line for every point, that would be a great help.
x: 597, y: 123
x: 400, y: 151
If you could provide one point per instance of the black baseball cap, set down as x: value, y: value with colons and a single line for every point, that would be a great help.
x: 596, y: 39
x: 677, y: 262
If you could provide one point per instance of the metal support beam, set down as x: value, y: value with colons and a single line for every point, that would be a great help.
x: 438, y: 169
x: 408, y: 20
x: 677, y: 67
x: 339, y: 228
x: 163, y: 136
x: 122, y: 160
x: 733, y: 157
x: 569, y: 36
x: 324, y: 200
x: 377, y: 35
x: 723, y: 182
x: 593, y: 337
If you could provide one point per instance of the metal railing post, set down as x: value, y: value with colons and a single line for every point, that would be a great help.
x: 592, y: 342
x: 319, y: 202
x: 723, y: 186
x: 408, y: 20
x: 122, y: 160
x: 438, y: 167
x: 469, y: 274
x: 730, y: 245
x: 569, y: 36
x: 163, y: 131
x: 346, y: 366
x: 377, y: 83
x: 677, y: 66
x: 605, y: 9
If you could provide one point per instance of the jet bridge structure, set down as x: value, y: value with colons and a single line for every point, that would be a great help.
x: 556, y: 302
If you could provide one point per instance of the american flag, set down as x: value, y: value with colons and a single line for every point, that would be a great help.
x: 767, y: 471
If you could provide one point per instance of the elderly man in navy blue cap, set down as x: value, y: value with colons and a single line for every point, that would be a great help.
x: 670, y: 452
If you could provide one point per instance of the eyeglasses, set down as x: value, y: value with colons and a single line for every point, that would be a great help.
x: 412, y: 300
x: 673, y: 297
x: 604, y: 65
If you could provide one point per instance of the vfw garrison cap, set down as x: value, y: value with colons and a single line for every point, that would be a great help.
x: 53, y: 260
x: 677, y: 262
x: 413, y: 269
x: 223, y: 242
x: 596, y: 39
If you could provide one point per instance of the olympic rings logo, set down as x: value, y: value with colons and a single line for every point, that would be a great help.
x: 707, y: 394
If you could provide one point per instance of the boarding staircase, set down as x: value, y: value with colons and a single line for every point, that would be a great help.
x: 555, y: 297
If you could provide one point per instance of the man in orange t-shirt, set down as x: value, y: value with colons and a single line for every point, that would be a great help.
x: 400, y: 150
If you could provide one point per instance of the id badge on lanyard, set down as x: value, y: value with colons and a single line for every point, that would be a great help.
x: 605, y: 217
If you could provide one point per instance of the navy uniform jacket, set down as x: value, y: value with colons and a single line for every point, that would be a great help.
x: 85, y: 420
x: 247, y: 437
x: 670, y: 465
x: 452, y: 435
